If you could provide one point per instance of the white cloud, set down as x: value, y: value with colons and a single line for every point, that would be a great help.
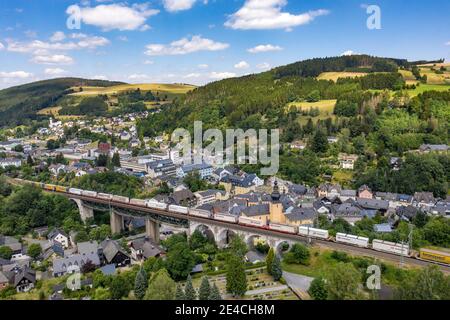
x: 264, y: 48
x: 185, y: 46
x: 148, y: 62
x: 263, y: 66
x: 192, y: 76
x: 242, y: 65
x: 99, y: 77
x: 178, y: 5
x: 123, y: 38
x: 203, y: 66
x: 448, y: 43
x: 82, y: 41
x: 57, y: 36
x: 221, y: 75
x: 54, y: 71
x: 1, y: 46
x: 56, y: 59
x: 349, y: 53
x: 15, y: 75
x: 267, y: 14
x: 116, y: 16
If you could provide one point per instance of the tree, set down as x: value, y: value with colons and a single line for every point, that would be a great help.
x: 197, y: 240
x: 343, y: 282
x: 269, y: 260
x: 102, y: 160
x: 429, y: 284
x: 205, y: 289
x: 140, y: 284
x: 215, y: 293
x: 317, y: 290
x: 238, y: 246
x: 277, y: 273
x: 298, y: 254
x: 30, y: 161
x: 161, y: 287
x: 180, y: 261
x: 118, y: 288
x: 115, y: 161
x: 179, y: 294
x: 88, y: 267
x: 6, y: 252
x: 236, y: 278
x: 319, y: 142
x: 34, y: 250
x: 189, y: 291
x: 313, y: 96
x: 102, y: 294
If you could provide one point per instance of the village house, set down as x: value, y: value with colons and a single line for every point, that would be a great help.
x: 365, y: 192
x: 10, y: 162
x: 74, y: 263
x: 59, y: 236
x: 203, y: 170
x: 347, y: 161
x: 209, y: 196
x: 144, y: 248
x: 183, y: 197
x: 112, y: 253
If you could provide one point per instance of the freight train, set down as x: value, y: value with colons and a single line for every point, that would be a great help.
x: 400, y: 249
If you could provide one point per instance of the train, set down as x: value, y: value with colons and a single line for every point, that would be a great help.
x: 399, y: 249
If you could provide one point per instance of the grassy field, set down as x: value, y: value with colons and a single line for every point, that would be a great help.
x: 343, y: 177
x: 336, y: 75
x: 428, y: 87
x: 325, y: 106
x: 154, y: 87
x: 49, y: 111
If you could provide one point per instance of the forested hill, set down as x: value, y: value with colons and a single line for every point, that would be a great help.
x: 260, y: 99
x: 21, y: 103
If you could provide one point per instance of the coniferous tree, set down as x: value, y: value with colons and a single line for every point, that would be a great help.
x: 205, y: 289
x: 189, y: 291
x: 236, y: 278
x: 116, y: 160
x: 140, y: 284
x: 179, y: 294
x: 277, y: 273
x: 215, y: 293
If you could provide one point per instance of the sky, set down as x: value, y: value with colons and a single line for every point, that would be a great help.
x: 200, y: 41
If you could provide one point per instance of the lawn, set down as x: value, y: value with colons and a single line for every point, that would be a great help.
x: 343, y: 177
x: 154, y: 87
x: 336, y: 75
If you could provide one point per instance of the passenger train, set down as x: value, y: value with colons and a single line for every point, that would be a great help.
x: 440, y: 257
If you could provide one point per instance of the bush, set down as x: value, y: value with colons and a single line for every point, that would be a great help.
x: 298, y: 254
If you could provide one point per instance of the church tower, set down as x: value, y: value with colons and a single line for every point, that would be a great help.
x: 276, y: 207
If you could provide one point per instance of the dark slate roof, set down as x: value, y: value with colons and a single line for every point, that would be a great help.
x: 383, y: 227
x: 388, y: 196
x: 110, y: 249
x: 52, y: 234
x: 149, y: 248
x: 87, y: 247
x: 426, y: 197
x: 298, y: 189
x: 373, y: 204
x: 179, y: 196
x: 257, y: 210
x: 61, y: 265
x: 299, y: 214
x: 26, y: 273
x: 108, y: 269
x: 348, y: 193
x: 407, y: 212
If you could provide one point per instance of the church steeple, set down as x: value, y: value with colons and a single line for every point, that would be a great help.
x: 276, y: 193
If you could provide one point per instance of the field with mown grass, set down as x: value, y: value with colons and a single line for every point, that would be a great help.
x: 154, y: 87
x: 337, y: 75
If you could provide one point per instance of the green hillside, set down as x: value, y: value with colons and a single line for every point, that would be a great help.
x: 21, y: 103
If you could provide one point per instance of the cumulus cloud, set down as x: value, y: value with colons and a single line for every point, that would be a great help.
x: 79, y: 41
x: 56, y: 59
x: 178, y: 5
x: 1, y: 46
x: 54, y: 71
x: 185, y: 46
x: 242, y: 65
x: 268, y: 14
x: 264, y: 48
x: 15, y: 75
x: 116, y: 16
x: 57, y: 36
x: 221, y: 75
x: 349, y: 53
x: 192, y: 76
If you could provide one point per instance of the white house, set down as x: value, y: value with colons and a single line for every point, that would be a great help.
x: 10, y: 162
x: 59, y: 236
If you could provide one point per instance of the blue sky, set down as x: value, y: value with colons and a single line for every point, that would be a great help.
x: 198, y: 41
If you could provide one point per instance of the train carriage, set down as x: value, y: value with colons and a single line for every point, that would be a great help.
x: 313, y: 232
x: 49, y: 187
x: 442, y: 257
x: 352, y: 239
x: 390, y: 247
x: 179, y: 209
x: 104, y: 196
x: 200, y: 213
x: 226, y: 217
x: 91, y: 194
x: 157, y: 205
x: 251, y: 222
x: 121, y: 199
x: 138, y: 202
x: 76, y: 191
x: 283, y: 228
